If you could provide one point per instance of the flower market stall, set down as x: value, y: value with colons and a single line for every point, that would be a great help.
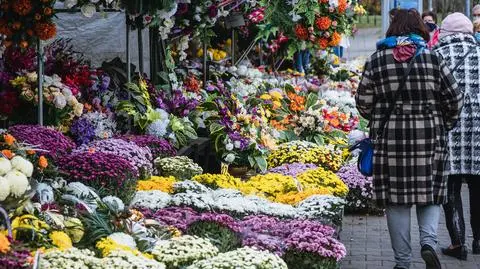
x: 106, y: 182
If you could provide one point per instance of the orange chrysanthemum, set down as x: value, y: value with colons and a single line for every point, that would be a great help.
x: 323, y: 23
x: 48, y: 11
x: 301, y: 32
x: 30, y: 152
x: 335, y: 39
x: 9, y: 139
x: 342, y: 6
x: 42, y: 162
x: 22, y: 7
x: 322, y: 43
x: 7, y: 153
x: 4, y: 244
x: 4, y: 29
x: 45, y: 30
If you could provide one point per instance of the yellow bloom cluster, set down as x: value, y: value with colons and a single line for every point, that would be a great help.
x: 28, y: 222
x: 164, y: 184
x: 270, y: 185
x: 108, y: 245
x: 60, y: 240
x: 216, y: 181
x: 321, y: 178
x: 293, y: 198
x: 318, y: 155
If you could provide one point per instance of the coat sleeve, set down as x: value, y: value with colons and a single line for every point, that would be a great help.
x: 451, y: 97
x: 364, y: 97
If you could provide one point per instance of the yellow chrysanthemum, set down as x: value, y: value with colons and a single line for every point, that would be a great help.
x: 270, y: 185
x: 164, y: 184
x: 293, y: 198
x: 60, y: 240
x: 108, y: 245
x: 216, y: 181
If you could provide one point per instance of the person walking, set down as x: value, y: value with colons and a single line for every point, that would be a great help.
x: 411, y: 100
x: 459, y: 48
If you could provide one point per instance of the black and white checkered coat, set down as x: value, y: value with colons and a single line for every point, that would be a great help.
x: 464, y: 139
x: 410, y: 157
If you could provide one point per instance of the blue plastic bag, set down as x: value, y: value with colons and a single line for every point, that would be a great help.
x: 365, y: 158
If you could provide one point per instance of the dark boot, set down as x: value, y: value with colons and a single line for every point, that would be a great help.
x: 430, y: 257
x: 458, y: 252
x: 476, y: 247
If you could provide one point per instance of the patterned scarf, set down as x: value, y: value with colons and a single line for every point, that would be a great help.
x: 404, y: 47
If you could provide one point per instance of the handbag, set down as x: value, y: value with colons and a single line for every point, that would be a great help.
x: 366, y: 146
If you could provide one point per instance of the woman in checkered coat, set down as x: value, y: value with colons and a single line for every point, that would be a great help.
x: 410, y: 157
x: 456, y: 40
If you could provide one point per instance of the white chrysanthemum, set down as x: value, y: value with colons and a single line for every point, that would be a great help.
x: 21, y: 164
x: 114, y: 203
x: 5, y: 166
x: 123, y: 239
x: 88, y: 10
x: 4, y: 188
x: 18, y: 183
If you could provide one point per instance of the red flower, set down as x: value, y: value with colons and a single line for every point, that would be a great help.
x: 322, y: 43
x: 45, y: 30
x: 301, y: 32
x: 342, y: 6
x: 22, y: 7
x: 9, y: 102
x: 323, y: 23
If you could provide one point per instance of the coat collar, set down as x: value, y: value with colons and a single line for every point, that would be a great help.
x: 456, y: 38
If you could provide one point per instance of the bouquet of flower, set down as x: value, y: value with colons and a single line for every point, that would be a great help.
x: 183, y: 251
x: 13, y: 257
x: 242, y: 258
x: 138, y: 157
x: 179, y: 131
x: 15, y: 185
x: 180, y: 167
x: 24, y: 22
x: 62, y: 104
x: 108, y: 173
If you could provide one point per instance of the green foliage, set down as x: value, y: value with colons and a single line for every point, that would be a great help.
x: 222, y: 237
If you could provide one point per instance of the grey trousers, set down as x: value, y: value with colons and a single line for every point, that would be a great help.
x: 398, y: 220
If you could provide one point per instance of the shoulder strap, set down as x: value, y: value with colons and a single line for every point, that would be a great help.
x: 461, y: 60
x: 384, y: 121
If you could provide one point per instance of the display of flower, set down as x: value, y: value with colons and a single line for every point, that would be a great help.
x: 62, y: 104
x: 305, y: 152
x: 159, y: 147
x: 292, y: 169
x: 326, y: 208
x: 23, y: 22
x: 183, y: 251
x: 12, y: 255
x: 139, y: 157
x: 360, y: 195
x: 108, y: 173
x: 295, y: 197
x: 216, y: 181
x: 308, y: 24
x: 30, y: 230
x: 322, y: 178
x: 164, y: 184
x: 91, y: 126
x: 221, y: 229
x: 242, y: 258
x: 53, y: 142
x: 178, y: 102
x: 108, y: 245
x: 180, y: 167
x: 179, y: 131
x: 270, y: 185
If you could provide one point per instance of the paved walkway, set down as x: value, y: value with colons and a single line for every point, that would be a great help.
x: 363, y: 44
x: 368, y: 243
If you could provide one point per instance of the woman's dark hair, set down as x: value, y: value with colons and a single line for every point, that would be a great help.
x: 431, y: 14
x: 408, y: 21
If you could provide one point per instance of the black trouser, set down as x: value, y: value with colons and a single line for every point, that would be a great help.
x: 454, y: 209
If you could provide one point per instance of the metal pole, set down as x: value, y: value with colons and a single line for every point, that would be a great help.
x: 140, y: 50
x: 205, y: 67
x: 385, y: 15
x: 127, y: 35
x: 232, y: 47
x: 467, y: 8
x: 430, y: 5
x: 40, y: 81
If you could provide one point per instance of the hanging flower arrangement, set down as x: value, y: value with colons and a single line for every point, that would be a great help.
x: 317, y: 24
x: 23, y: 22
